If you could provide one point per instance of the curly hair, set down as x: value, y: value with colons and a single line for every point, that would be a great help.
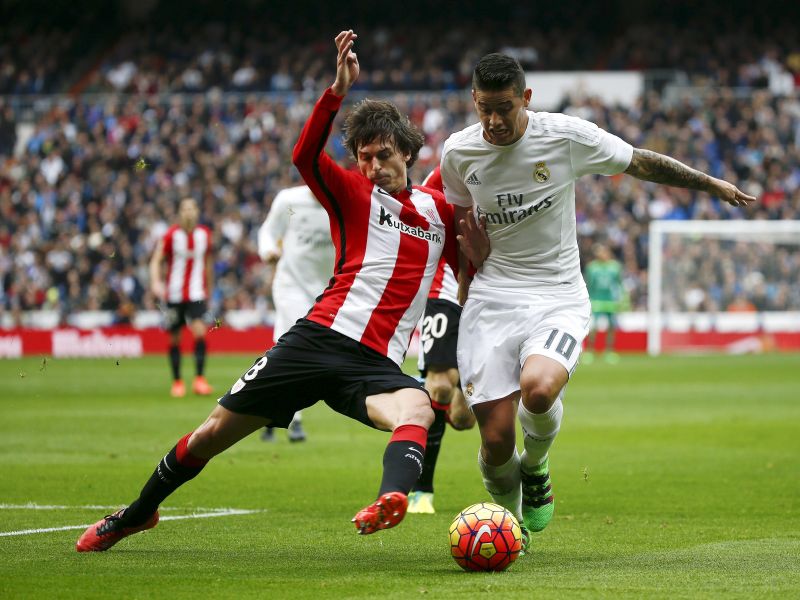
x: 380, y: 120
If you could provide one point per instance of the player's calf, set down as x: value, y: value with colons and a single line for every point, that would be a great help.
x: 459, y: 415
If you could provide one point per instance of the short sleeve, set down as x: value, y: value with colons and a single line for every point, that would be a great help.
x: 455, y: 191
x: 274, y: 227
x: 609, y: 156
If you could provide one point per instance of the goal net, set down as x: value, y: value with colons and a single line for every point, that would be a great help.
x: 723, y: 286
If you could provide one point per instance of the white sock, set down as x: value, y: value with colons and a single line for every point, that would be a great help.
x: 540, y: 430
x: 298, y: 417
x: 503, y: 483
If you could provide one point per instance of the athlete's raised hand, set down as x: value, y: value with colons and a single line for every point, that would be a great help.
x: 347, y: 68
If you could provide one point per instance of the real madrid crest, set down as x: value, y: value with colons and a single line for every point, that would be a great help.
x: 469, y: 390
x: 541, y: 173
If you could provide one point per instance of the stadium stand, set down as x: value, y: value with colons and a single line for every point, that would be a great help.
x: 214, y: 108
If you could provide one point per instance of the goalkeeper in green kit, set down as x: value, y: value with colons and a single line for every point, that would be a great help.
x: 604, y: 281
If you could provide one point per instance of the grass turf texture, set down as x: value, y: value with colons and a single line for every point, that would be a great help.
x: 674, y: 477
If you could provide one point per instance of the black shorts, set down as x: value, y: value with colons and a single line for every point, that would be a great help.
x: 180, y: 313
x: 309, y: 363
x: 439, y: 335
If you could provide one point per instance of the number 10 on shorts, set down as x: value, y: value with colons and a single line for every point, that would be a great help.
x: 566, y: 344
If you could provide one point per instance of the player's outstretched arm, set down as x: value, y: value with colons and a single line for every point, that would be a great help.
x: 658, y: 168
x: 319, y: 171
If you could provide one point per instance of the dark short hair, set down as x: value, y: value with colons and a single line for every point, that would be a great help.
x: 495, y: 72
x: 380, y: 120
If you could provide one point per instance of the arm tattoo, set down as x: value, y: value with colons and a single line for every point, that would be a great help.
x: 652, y: 166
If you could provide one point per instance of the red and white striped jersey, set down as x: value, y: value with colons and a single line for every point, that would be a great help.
x: 444, y: 286
x: 186, y: 254
x: 387, y: 246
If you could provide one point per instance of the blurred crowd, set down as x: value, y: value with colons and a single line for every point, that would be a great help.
x: 712, y: 275
x: 190, y: 57
x: 97, y: 181
x: 416, y: 45
x: 98, y: 184
x: 34, y: 62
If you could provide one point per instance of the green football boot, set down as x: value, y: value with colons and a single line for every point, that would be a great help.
x: 538, y: 502
x: 526, y: 540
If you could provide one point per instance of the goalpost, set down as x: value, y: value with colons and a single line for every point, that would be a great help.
x: 731, y: 286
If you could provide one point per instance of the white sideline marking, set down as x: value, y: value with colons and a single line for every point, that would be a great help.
x: 34, y: 506
x: 205, y: 515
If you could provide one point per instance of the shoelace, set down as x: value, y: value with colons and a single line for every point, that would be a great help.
x: 535, y: 487
x: 108, y: 525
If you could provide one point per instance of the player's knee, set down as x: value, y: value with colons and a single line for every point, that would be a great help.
x: 462, y: 420
x: 498, y: 445
x: 539, y: 395
x: 461, y: 417
x: 440, y: 389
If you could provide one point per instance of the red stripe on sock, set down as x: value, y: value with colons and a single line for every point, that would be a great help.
x: 410, y: 433
x: 185, y: 457
x: 436, y: 406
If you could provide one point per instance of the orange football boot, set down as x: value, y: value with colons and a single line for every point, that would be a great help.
x: 178, y: 389
x: 200, y: 386
x: 386, y: 512
x: 108, y: 531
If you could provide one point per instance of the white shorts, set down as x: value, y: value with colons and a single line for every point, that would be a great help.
x: 495, y: 340
x: 291, y: 304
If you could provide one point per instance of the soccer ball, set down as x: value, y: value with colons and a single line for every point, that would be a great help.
x: 485, y: 537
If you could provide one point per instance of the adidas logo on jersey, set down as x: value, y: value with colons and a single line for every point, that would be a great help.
x: 473, y: 179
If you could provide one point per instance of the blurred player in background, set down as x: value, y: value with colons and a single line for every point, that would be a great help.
x: 438, y: 366
x: 389, y: 237
x: 604, y: 283
x: 528, y: 310
x: 297, y: 236
x: 186, y: 248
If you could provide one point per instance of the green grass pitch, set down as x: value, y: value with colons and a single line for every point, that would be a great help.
x: 675, y: 477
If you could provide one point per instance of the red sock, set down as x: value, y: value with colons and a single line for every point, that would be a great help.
x: 186, y: 458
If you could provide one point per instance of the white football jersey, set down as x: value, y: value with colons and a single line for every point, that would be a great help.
x: 298, y: 227
x: 527, y: 193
